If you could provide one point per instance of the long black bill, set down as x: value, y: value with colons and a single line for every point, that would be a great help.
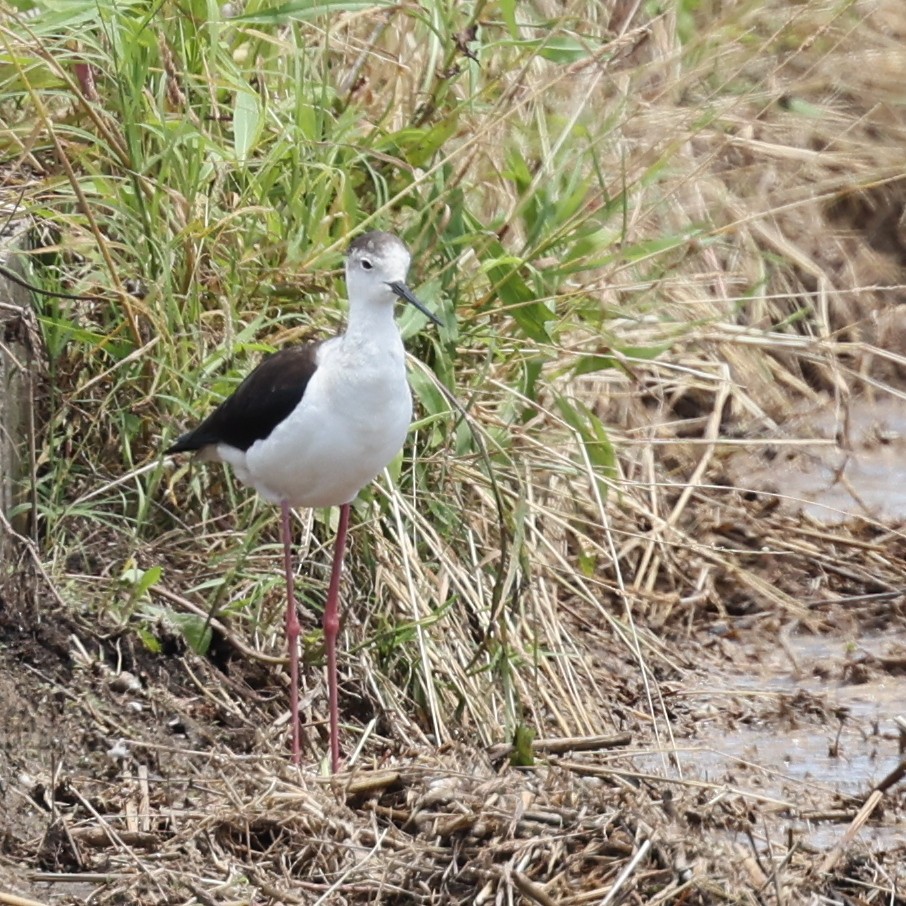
x: 407, y: 295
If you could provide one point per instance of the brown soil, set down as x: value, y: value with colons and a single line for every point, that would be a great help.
x: 130, y: 777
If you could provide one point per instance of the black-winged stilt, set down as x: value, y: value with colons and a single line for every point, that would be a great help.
x: 313, y: 424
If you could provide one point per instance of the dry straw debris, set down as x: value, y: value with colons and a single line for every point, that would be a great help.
x: 625, y: 673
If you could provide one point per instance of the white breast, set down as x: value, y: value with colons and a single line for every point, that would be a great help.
x: 347, y: 428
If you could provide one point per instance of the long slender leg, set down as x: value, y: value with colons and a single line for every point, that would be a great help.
x: 292, y: 628
x: 331, y: 629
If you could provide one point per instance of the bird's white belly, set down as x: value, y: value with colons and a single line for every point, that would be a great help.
x: 324, y: 455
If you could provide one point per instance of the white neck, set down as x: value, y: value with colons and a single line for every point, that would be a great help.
x: 372, y: 324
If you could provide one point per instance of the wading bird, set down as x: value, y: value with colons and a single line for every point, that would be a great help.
x: 313, y: 424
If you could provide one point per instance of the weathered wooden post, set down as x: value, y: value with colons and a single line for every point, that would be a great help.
x: 17, y: 362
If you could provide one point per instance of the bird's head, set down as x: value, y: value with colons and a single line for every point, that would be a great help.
x: 377, y: 265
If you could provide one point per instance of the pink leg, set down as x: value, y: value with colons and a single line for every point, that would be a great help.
x: 292, y: 629
x: 331, y: 629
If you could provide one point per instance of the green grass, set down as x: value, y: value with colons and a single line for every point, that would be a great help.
x: 555, y: 177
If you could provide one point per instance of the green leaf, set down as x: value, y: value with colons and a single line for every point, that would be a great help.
x: 531, y: 370
x: 508, y: 14
x: 517, y: 170
x: 533, y: 319
x: 141, y: 580
x: 522, y: 755
x: 653, y: 247
x: 418, y: 146
x: 556, y: 48
x: 306, y: 9
x: 588, y: 364
x: 247, y: 121
x: 532, y: 316
x: 150, y: 641
x: 644, y: 353
x: 57, y: 15
x: 593, y: 437
x: 196, y: 630
x: 588, y: 563
x: 805, y: 108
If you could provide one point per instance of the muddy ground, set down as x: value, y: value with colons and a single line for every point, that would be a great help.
x: 131, y: 777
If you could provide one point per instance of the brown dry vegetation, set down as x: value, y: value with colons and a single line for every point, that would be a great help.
x: 712, y: 677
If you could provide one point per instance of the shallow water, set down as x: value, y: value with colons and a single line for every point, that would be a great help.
x: 854, y: 464
x: 796, y: 741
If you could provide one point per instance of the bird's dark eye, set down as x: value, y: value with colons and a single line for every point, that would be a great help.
x: 367, y: 264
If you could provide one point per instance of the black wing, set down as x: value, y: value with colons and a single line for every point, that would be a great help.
x: 263, y: 400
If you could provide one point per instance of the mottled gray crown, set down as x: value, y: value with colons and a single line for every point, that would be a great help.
x: 376, y: 242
